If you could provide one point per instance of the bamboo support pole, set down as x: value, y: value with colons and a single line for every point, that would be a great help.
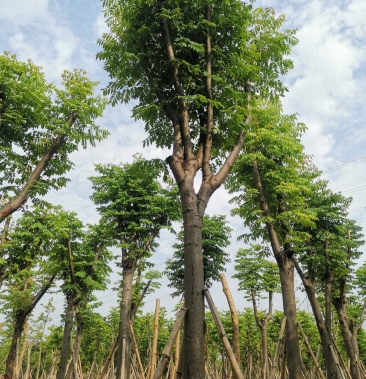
x: 179, y: 365
x: 335, y: 352
x: 234, y: 317
x: 313, y: 375
x: 311, y: 352
x: 177, y: 349
x: 278, y: 349
x: 105, y: 367
x: 171, y: 369
x: 169, y: 345
x: 140, y: 367
x: 223, y: 336
x: 153, y: 357
x: 341, y: 375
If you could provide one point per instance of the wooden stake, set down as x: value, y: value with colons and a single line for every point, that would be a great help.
x: 234, y: 317
x: 153, y: 358
x: 281, y: 339
x: 104, y: 370
x: 311, y: 352
x: 169, y: 345
x: 140, y: 367
x: 223, y: 336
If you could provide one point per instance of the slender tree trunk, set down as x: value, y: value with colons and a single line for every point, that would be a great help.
x: 79, y: 334
x: 262, y: 325
x: 124, y: 340
x: 285, y: 262
x: 65, y: 348
x: 75, y: 349
x: 350, y: 344
x: 325, y: 337
x: 286, y: 269
x: 264, y: 352
x: 328, y: 289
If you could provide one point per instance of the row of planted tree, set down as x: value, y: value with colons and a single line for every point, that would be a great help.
x: 205, y: 80
x: 94, y: 357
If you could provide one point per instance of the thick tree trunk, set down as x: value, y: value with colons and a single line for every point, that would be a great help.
x: 194, y: 324
x: 330, y: 364
x: 65, y: 348
x: 124, y: 340
x: 20, y: 319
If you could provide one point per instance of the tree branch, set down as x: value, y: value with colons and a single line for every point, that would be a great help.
x: 276, y: 247
x: 210, y: 122
x: 71, y: 264
x: 23, y: 195
x: 184, y: 123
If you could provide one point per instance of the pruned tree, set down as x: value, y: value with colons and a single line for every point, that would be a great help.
x: 195, y: 69
x: 136, y: 207
x: 271, y: 182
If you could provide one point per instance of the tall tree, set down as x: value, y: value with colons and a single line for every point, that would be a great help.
x: 272, y: 181
x: 136, y: 207
x: 194, y: 68
x: 40, y: 122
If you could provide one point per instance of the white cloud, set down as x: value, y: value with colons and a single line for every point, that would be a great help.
x: 24, y: 12
x: 100, y: 26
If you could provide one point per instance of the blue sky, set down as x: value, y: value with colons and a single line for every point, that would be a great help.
x: 326, y: 90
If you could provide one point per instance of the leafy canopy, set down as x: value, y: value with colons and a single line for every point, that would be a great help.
x: 273, y: 145
x: 256, y: 274
x: 248, y: 45
x: 33, y: 113
x: 134, y: 204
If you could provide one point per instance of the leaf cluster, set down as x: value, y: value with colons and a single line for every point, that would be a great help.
x: 257, y: 275
x: 248, y: 45
x: 33, y: 114
x: 134, y: 205
x: 273, y: 145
